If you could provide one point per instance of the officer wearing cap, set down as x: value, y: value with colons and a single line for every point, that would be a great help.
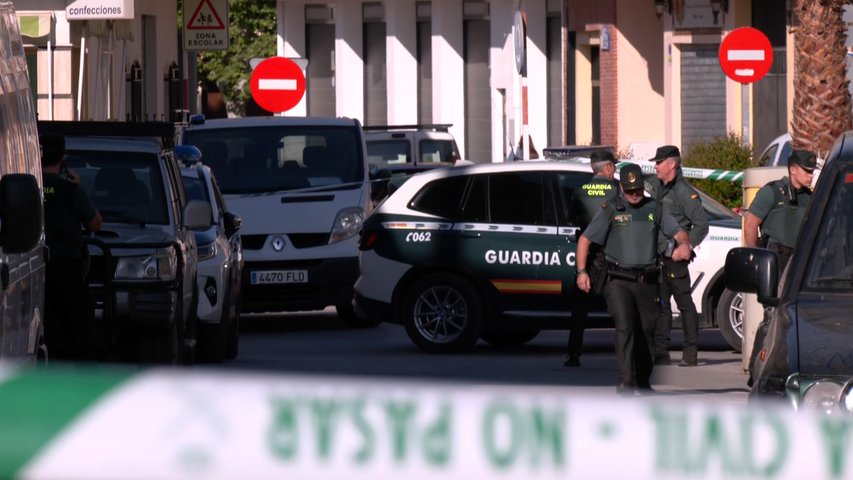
x: 779, y: 207
x: 680, y: 200
x: 587, y: 201
x: 69, y: 309
x: 628, y: 227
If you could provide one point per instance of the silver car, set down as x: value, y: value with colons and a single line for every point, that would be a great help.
x: 220, y: 263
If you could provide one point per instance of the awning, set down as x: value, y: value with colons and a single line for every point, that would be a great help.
x: 100, y: 10
x: 35, y: 25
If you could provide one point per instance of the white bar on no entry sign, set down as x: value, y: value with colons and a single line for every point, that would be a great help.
x: 745, y: 72
x: 745, y: 55
x: 277, y: 84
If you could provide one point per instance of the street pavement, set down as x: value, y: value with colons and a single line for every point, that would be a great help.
x: 317, y: 343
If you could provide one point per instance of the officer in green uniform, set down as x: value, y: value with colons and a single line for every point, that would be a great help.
x: 69, y: 308
x: 680, y: 200
x: 628, y: 228
x: 779, y: 207
x: 586, y: 203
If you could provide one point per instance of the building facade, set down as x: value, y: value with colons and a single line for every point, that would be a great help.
x: 101, y: 59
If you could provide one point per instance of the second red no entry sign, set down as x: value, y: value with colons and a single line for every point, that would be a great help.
x: 277, y: 84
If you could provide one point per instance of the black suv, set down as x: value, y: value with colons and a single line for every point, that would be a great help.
x: 143, y: 263
x: 805, y: 354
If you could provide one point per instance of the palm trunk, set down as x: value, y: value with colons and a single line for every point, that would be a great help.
x: 822, y: 106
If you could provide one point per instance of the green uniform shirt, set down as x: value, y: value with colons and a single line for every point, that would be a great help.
x: 591, y: 197
x: 630, y: 235
x: 681, y: 200
x: 780, y: 217
x: 66, y: 209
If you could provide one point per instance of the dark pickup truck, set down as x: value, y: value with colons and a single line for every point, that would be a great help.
x: 803, y: 350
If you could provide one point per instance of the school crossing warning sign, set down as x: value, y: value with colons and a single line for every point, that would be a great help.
x: 205, y: 24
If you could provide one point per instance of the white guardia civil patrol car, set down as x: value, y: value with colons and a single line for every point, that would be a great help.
x: 488, y: 251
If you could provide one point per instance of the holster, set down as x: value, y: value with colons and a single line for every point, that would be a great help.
x: 598, y: 271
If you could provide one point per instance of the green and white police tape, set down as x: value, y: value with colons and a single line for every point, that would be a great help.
x: 688, y: 172
x: 171, y: 423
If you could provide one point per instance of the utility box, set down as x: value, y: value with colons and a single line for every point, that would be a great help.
x: 753, y: 312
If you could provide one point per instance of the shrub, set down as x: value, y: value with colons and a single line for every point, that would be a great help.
x: 724, y: 153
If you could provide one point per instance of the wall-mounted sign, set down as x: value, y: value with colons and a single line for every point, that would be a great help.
x: 100, y: 10
x: 604, y: 38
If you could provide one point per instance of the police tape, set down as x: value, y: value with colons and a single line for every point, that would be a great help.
x: 688, y: 172
x: 163, y: 424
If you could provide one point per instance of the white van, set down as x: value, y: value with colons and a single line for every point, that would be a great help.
x: 22, y: 250
x: 300, y: 185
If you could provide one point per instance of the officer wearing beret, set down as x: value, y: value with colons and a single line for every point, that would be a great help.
x: 587, y: 201
x: 779, y: 207
x: 69, y: 308
x: 628, y: 227
x: 682, y: 202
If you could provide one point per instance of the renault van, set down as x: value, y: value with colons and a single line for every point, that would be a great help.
x: 300, y: 185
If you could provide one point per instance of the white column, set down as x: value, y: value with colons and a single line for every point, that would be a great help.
x: 448, y: 79
x: 537, y: 73
x: 290, y: 42
x: 401, y: 62
x: 349, y: 66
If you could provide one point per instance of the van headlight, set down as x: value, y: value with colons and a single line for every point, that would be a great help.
x: 821, y: 396
x: 206, y: 251
x: 347, y: 224
x: 159, y: 266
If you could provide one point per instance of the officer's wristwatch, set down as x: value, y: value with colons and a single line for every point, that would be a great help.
x: 580, y: 271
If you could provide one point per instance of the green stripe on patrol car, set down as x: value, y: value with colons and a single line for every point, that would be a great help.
x: 36, y: 405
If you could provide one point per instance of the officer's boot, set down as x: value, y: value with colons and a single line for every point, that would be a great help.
x: 688, y: 356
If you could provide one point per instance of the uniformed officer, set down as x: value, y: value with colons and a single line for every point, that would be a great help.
x: 586, y: 203
x: 69, y: 308
x: 628, y: 228
x: 779, y: 207
x: 680, y: 200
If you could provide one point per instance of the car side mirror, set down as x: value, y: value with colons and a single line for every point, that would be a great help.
x: 21, y: 212
x: 233, y: 222
x: 753, y: 270
x: 197, y: 215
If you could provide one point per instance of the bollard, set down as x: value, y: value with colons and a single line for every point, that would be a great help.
x: 753, y: 312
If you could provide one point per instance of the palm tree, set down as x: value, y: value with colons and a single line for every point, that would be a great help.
x: 822, y: 106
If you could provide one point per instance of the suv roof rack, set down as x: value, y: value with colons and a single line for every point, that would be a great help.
x: 162, y: 130
x: 438, y: 127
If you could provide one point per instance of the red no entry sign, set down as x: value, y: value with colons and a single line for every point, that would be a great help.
x: 746, y: 55
x: 277, y: 84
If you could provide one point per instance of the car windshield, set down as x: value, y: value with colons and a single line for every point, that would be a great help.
x: 831, y: 264
x: 126, y: 187
x: 269, y: 159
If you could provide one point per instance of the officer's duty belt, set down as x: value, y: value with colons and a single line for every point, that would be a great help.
x: 645, y: 275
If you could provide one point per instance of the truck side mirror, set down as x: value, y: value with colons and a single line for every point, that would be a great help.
x: 21, y: 212
x: 753, y: 270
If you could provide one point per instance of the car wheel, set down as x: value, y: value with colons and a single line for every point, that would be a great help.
x: 730, y: 318
x: 233, y: 342
x: 188, y: 338
x: 347, y: 315
x: 510, y: 337
x: 443, y: 314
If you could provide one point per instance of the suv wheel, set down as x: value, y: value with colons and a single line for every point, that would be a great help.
x: 443, y: 314
x: 730, y: 318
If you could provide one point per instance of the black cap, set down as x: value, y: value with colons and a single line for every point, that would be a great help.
x: 665, y: 152
x: 602, y: 155
x: 52, y: 148
x: 631, y: 177
x: 803, y: 158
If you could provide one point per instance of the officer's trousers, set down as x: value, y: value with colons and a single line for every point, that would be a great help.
x: 634, y: 308
x: 68, y: 311
x: 675, y: 283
